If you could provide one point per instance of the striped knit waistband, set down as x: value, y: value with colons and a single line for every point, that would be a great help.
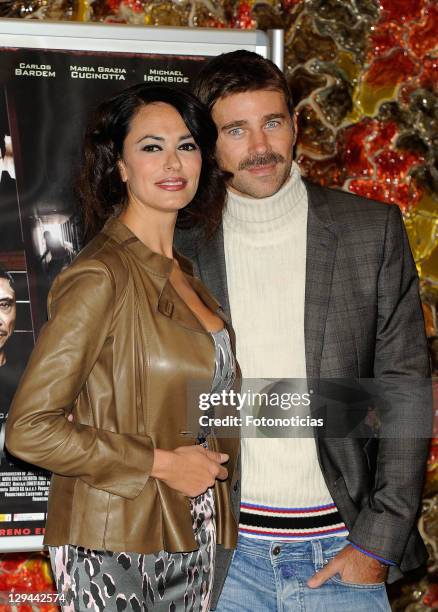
x: 268, y: 522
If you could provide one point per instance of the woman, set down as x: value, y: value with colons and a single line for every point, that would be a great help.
x: 131, y: 516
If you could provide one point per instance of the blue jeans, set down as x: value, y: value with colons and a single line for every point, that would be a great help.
x: 267, y: 575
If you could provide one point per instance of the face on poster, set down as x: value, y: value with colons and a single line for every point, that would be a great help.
x: 46, y: 97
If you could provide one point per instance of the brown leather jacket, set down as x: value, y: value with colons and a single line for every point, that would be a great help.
x: 118, y: 351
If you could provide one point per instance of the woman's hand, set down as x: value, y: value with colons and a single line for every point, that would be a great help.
x: 191, y: 470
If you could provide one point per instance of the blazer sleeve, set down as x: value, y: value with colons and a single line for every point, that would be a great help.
x: 81, y: 304
x: 401, y: 371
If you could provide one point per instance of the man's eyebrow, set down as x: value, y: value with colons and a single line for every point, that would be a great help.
x: 241, y: 122
x: 274, y: 116
x: 233, y: 124
x: 161, y: 139
x: 8, y: 300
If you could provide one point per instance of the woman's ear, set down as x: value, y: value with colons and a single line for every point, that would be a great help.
x: 122, y: 169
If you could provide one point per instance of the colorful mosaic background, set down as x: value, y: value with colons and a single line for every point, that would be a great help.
x: 365, y: 79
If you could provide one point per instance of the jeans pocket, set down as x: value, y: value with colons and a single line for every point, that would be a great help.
x: 356, y: 585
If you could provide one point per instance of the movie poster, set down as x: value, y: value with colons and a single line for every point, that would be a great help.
x: 45, y: 99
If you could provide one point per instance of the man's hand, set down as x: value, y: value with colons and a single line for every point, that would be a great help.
x: 352, y: 566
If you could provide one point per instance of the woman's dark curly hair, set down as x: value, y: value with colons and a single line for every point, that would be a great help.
x: 102, y: 193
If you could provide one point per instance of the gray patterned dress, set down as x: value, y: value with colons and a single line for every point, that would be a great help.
x: 162, y: 582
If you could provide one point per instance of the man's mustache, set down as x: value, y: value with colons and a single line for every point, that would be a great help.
x: 261, y: 160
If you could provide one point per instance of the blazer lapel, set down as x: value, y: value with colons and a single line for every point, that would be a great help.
x: 212, y: 269
x: 321, y: 253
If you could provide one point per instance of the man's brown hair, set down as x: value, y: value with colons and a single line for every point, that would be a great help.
x: 238, y: 72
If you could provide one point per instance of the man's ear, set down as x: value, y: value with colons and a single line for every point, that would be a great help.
x: 295, y: 127
x: 122, y: 169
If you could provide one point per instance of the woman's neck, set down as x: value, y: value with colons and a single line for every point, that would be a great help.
x: 154, y: 228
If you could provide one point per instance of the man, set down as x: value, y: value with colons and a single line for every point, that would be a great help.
x: 9, y: 373
x: 60, y: 256
x: 7, y: 311
x: 10, y: 231
x: 319, y: 283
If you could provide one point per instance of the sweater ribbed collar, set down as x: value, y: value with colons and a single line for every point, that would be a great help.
x: 267, y: 214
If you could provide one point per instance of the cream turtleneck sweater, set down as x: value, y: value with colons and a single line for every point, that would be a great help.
x: 265, y: 254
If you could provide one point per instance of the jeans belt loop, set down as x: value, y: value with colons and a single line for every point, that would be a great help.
x: 318, y: 559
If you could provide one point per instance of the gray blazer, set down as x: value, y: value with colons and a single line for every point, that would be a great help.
x: 362, y: 319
